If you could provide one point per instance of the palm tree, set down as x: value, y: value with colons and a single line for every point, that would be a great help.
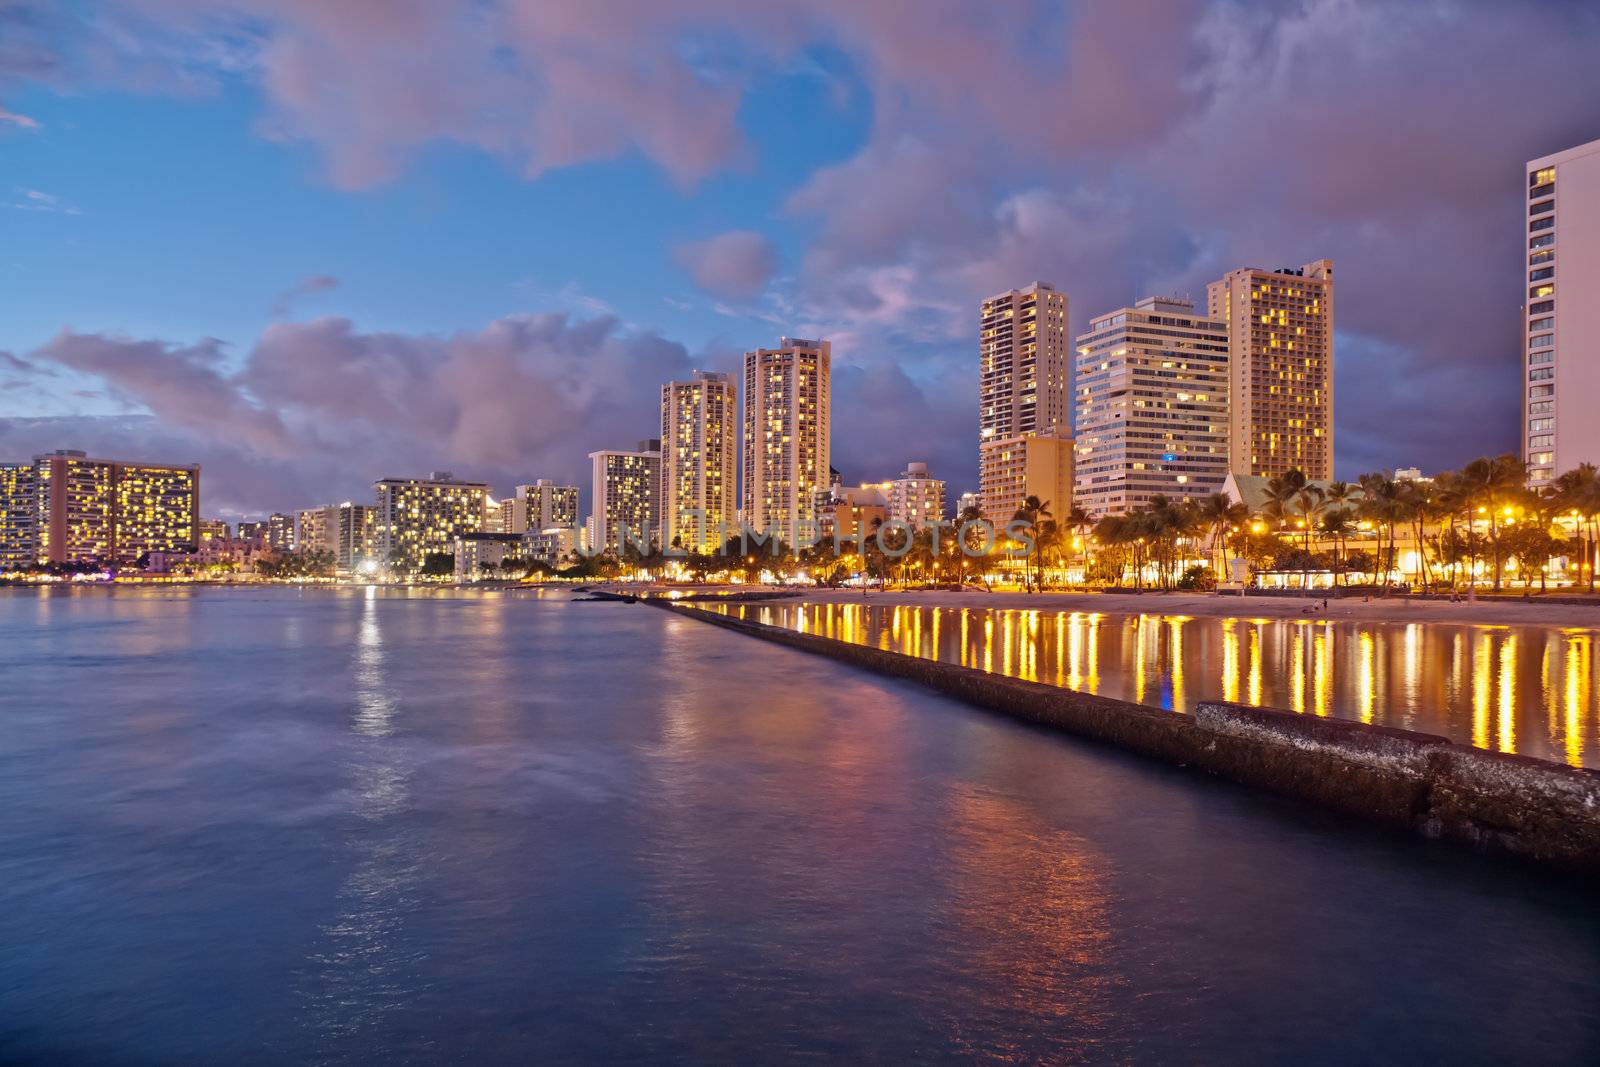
x: 1219, y: 512
x: 970, y: 513
x: 1380, y: 504
x: 1078, y: 521
x: 1336, y: 524
x: 1030, y: 513
x: 1309, y: 501
x: 1578, y: 492
x: 1118, y: 534
x: 1492, y: 482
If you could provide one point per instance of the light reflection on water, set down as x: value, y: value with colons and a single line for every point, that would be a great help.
x: 1529, y: 690
x: 346, y: 826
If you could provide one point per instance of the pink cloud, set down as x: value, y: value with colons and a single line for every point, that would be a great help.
x: 526, y: 396
x: 736, y: 264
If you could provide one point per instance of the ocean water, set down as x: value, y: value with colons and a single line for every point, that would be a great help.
x: 330, y: 826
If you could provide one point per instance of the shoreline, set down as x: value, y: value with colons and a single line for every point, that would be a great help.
x: 1207, y: 605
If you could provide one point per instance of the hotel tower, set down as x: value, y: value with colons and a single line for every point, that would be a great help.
x: 786, y: 420
x: 1152, y: 406
x: 626, y: 498
x: 414, y: 518
x: 1280, y: 388
x: 698, y: 462
x: 1561, y: 317
x: 1022, y: 345
x: 98, y: 510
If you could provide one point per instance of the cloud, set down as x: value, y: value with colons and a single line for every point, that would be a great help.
x: 334, y: 408
x: 307, y: 286
x: 34, y: 200
x: 1005, y: 142
x: 183, y: 385
x: 12, y: 118
x: 737, y: 264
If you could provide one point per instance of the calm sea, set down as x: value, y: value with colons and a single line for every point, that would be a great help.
x: 271, y: 825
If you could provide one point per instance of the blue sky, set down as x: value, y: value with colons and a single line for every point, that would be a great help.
x: 176, y: 220
x: 309, y: 244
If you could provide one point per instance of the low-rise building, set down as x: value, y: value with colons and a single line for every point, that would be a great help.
x: 477, y: 553
x: 1015, y: 468
x: 554, y: 547
x: 851, y: 512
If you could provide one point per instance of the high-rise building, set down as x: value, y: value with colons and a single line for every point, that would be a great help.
x: 1561, y: 330
x: 1014, y: 468
x: 1023, y: 345
x: 213, y: 530
x: 314, y: 529
x: 916, y: 497
x: 544, y: 505
x: 253, y: 530
x: 1280, y: 356
x: 698, y: 462
x: 499, y: 515
x: 1152, y: 406
x: 627, y: 498
x: 417, y: 517
x: 353, y: 528
x: 19, y: 516
x: 786, y: 436
x: 1023, y: 366
x: 278, y: 531
x: 113, y: 511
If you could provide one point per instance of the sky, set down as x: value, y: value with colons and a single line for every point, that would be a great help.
x: 313, y: 243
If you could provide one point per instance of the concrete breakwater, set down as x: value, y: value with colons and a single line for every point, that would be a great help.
x: 1499, y: 803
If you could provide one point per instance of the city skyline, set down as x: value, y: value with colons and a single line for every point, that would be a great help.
x: 300, y: 283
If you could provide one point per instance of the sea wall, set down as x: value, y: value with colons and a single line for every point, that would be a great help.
x: 1512, y: 805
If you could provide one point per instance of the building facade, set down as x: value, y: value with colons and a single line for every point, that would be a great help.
x: 916, y: 497
x: 1152, y: 406
x: 19, y: 516
x: 787, y: 413
x: 476, y: 553
x: 544, y: 505
x: 1561, y: 318
x: 277, y: 530
x: 353, y: 527
x: 1280, y: 358
x: 112, y: 511
x: 499, y: 515
x: 554, y: 546
x: 847, y: 514
x: 1023, y: 366
x: 626, y: 489
x: 417, y: 517
x: 699, y: 465
x: 1015, y: 468
x: 314, y: 529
